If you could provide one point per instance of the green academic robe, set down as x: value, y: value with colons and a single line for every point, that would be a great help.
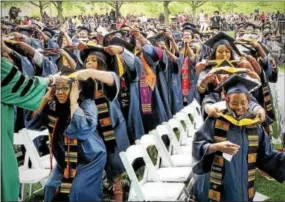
x: 21, y: 91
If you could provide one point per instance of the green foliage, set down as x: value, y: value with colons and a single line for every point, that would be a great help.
x: 8, y: 4
x: 282, y: 68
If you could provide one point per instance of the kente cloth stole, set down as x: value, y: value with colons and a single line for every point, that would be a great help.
x: 105, y: 127
x: 268, y: 104
x: 185, y: 81
x: 70, y: 147
x: 52, y: 122
x: 147, y: 84
x: 218, y: 169
x: 124, y: 96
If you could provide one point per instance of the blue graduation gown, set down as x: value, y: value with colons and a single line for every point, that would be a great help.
x: 114, y: 166
x: 236, y: 172
x: 134, y: 120
x: 159, y: 115
x: 192, y: 76
x: 87, y: 184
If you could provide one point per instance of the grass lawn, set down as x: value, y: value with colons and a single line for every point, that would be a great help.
x: 272, y: 189
x: 282, y: 68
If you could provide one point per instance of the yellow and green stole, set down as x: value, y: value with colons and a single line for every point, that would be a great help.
x: 222, y: 125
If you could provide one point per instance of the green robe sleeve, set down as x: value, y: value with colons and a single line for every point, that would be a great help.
x: 17, y: 89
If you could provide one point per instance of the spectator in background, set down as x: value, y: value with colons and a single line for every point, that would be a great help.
x: 262, y: 17
x: 206, y: 23
x: 26, y: 21
x: 216, y: 21
x: 202, y: 20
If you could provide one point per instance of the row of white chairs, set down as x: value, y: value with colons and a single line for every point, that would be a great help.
x: 171, y: 177
x: 40, y: 169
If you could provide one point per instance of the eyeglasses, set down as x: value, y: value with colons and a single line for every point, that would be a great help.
x: 63, y: 89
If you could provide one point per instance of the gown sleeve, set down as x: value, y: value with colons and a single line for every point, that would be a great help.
x: 203, y: 138
x: 17, y: 89
x: 111, y: 92
x: 269, y: 160
x: 84, y: 121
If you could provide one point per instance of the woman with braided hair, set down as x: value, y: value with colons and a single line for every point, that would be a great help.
x: 69, y: 112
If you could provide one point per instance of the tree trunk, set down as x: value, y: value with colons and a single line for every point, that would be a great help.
x: 117, y: 9
x: 41, y: 8
x: 166, y: 12
x: 60, y: 11
x: 194, y: 14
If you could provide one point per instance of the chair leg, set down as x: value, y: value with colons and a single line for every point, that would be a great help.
x: 22, y: 192
x: 30, y: 193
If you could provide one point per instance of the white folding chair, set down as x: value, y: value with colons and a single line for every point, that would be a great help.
x: 29, y: 175
x: 44, y: 160
x: 165, y: 170
x: 145, y: 190
x: 174, y: 124
x: 194, y: 113
x: 183, y: 118
x: 179, y: 159
x: 176, y: 147
x: 197, y: 106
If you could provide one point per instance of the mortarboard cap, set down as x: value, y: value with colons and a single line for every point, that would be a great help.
x: 174, y: 20
x: 49, y: 31
x: 117, y: 41
x: 238, y: 84
x: 118, y: 34
x: 240, y: 25
x: 191, y: 29
x: 74, y: 57
x: 217, y: 12
x: 249, y: 24
x: 189, y: 24
x: 94, y: 50
x: 222, y: 38
x: 125, y: 27
x: 157, y: 38
x: 26, y: 30
x: 81, y: 28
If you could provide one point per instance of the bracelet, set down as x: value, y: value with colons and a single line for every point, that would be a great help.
x: 52, y: 80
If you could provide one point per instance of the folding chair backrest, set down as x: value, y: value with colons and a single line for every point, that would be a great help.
x: 194, y: 114
x: 164, y: 129
x: 132, y: 175
x: 34, y: 155
x: 20, y: 139
x: 33, y: 134
x: 197, y: 106
x: 149, y: 140
x: 176, y: 125
x: 138, y: 151
x: 183, y: 117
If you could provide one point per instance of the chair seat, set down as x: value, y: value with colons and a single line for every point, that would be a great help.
x: 174, y: 174
x: 186, y: 141
x: 159, y: 191
x: 31, y: 176
x: 181, y: 160
x: 45, y: 161
x: 187, y: 149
